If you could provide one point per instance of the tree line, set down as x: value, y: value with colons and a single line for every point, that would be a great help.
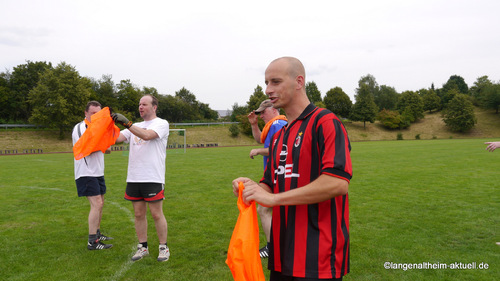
x: 55, y: 97
x: 455, y: 100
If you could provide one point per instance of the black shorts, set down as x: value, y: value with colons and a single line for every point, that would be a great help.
x: 276, y: 276
x: 144, y: 191
x: 90, y: 186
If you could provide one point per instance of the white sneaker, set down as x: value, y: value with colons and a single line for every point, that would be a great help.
x: 141, y: 252
x: 164, y: 254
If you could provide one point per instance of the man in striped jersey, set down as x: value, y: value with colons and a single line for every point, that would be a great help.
x: 305, y: 181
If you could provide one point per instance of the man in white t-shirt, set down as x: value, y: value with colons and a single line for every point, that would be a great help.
x: 146, y: 173
x: 89, y: 178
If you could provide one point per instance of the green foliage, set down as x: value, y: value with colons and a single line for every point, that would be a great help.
x: 338, y: 102
x: 104, y: 91
x: 417, y: 136
x: 399, y: 136
x: 365, y: 108
x: 491, y: 97
x: 459, y: 114
x: 430, y: 99
x: 22, y: 80
x: 237, y: 111
x: 313, y: 92
x: 234, y: 130
x: 458, y: 83
x: 256, y: 99
x: 59, y: 98
x: 391, y: 119
x: 128, y: 96
x: 410, y: 104
x: 386, y: 97
x: 477, y: 91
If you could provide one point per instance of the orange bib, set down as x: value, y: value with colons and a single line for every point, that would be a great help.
x: 243, y: 256
x: 100, y: 134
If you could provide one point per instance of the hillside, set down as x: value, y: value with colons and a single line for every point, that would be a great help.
x: 430, y: 127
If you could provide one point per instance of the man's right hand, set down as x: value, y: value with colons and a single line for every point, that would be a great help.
x: 253, y: 118
x: 119, y: 118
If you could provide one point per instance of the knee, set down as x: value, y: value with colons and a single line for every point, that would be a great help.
x: 157, y: 216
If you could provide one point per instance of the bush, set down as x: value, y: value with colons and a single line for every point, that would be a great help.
x: 234, y: 130
x: 400, y: 136
x: 417, y: 136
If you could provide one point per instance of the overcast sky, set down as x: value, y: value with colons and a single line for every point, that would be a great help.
x: 220, y: 49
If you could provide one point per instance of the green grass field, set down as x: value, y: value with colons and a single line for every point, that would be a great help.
x: 411, y: 202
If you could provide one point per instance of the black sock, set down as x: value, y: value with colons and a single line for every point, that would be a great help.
x: 144, y: 244
x: 98, y: 232
x: 267, y: 245
x: 92, y: 238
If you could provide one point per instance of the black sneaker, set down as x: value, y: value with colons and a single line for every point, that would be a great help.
x: 264, y: 252
x: 98, y: 245
x: 102, y: 237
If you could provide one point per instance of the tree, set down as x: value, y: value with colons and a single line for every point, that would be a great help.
x: 430, y: 99
x: 456, y: 82
x: 256, y: 99
x: 104, y: 91
x: 391, y: 119
x: 459, y: 114
x: 371, y: 83
x: 128, y: 96
x: 59, y: 99
x: 23, y: 79
x: 5, y: 96
x: 386, y: 97
x: 365, y: 108
x: 238, y: 110
x: 412, y: 103
x: 491, y: 97
x: 312, y: 92
x: 338, y: 102
x: 477, y: 91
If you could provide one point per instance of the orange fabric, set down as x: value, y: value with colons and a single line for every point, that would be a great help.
x: 243, y: 256
x: 100, y: 134
x: 263, y: 135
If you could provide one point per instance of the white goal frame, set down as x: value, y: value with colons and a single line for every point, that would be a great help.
x: 182, y: 130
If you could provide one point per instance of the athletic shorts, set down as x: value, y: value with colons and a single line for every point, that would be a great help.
x: 144, y: 191
x: 90, y: 186
x: 276, y: 276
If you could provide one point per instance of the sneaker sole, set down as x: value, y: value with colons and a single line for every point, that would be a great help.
x: 137, y: 259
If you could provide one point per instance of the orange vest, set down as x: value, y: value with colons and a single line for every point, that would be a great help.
x: 266, y: 128
x: 243, y: 256
x: 100, y: 134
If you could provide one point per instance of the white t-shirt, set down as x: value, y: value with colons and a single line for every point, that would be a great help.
x: 146, y: 162
x: 92, y: 165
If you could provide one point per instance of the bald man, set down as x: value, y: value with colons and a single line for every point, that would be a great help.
x: 306, y: 182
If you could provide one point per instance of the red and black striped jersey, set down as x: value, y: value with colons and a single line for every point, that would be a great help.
x: 310, y: 241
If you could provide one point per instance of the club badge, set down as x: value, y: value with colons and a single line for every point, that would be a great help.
x: 298, y: 139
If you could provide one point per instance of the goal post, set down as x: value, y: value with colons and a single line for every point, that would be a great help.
x: 176, y: 140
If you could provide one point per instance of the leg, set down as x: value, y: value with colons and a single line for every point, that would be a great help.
x: 100, y: 213
x: 156, y: 209
x: 141, y: 222
x: 266, y: 215
x: 96, y: 203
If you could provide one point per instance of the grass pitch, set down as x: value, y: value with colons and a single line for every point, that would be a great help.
x: 411, y: 202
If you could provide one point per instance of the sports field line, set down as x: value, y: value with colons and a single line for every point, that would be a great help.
x: 127, y: 264
x: 44, y: 188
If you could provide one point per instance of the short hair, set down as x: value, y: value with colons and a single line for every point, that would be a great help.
x: 92, y: 103
x: 154, y: 100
